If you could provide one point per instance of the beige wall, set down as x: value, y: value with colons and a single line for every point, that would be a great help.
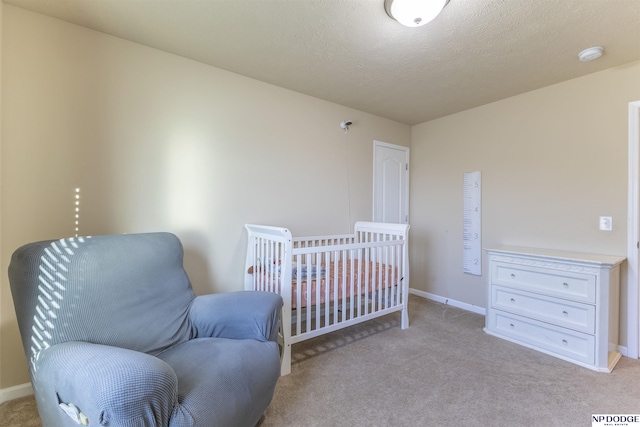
x: 552, y: 161
x: 158, y: 142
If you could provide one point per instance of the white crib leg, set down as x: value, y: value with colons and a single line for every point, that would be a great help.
x: 285, y: 363
x: 404, y: 323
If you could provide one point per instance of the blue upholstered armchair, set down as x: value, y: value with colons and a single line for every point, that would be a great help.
x: 115, y: 336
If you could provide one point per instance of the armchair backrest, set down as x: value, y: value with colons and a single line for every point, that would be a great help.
x: 129, y: 291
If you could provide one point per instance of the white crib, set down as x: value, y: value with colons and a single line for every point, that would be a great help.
x: 330, y: 282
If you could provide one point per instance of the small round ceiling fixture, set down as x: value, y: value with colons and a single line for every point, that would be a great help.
x: 591, y: 53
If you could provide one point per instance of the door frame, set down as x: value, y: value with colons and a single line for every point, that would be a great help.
x: 377, y: 144
x: 633, y: 234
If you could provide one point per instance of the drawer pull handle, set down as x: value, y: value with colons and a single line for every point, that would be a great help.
x: 565, y: 342
x: 566, y: 313
x: 565, y: 285
x: 512, y: 325
x: 513, y: 300
x: 513, y: 276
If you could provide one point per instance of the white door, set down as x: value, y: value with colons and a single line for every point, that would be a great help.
x: 390, y: 183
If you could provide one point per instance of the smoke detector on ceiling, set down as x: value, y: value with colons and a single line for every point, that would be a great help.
x: 591, y: 53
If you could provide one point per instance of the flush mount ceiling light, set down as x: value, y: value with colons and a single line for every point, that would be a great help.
x: 414, y: 13
x: 591, y: 53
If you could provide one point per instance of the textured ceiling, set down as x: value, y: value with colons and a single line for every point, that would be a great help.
x: 350, y: 52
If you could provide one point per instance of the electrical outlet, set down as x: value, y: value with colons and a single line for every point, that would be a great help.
x: 606, y: 223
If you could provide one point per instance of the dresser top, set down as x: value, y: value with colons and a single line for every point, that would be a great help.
x: 582, y: 257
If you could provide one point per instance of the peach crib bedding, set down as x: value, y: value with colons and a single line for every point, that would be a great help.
x: 335, y: 280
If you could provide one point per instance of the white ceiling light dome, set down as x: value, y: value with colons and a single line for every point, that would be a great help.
x: 414, y: 13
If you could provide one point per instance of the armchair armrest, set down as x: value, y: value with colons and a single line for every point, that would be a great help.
x: 238, y: 315
x: 109, y: 385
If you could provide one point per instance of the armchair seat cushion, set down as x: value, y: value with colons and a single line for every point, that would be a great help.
x: 245, y: 369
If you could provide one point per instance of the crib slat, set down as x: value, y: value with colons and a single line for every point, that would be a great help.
x: 392, y: 278
x: 309, y: 306
x: 327, y: 286
x: 357, y: 275
x: 336, y: 289
x: 396, y: 269
x: 344, y: 285
x: 379, y: 271
x: 317, y: 313
x: 351, y: 287
x: 261, y: 255
x: 367, y: 280
x: 270, y: 263
x: 298, y: 283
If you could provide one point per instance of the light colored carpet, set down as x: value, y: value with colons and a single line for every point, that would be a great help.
x: 19, y: 413
x: 442, y: 371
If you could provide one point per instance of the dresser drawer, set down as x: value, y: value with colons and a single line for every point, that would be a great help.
x: 569, y: 314
x: 563, y: 284
x: 568, y: 343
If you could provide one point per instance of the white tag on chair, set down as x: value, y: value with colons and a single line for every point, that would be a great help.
x: 74, y: 413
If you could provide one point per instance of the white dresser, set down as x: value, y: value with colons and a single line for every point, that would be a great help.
x: 561, y: 303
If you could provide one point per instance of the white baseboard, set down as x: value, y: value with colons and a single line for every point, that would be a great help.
x: 448, y: 301
x: 623, y: 351
x: 15, y: 392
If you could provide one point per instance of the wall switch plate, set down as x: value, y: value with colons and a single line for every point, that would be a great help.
x: 606, y: 223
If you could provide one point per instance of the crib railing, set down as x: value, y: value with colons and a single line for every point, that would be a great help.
x: 342, y: 284
x: 330, y: 282
x: 268, y: 249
